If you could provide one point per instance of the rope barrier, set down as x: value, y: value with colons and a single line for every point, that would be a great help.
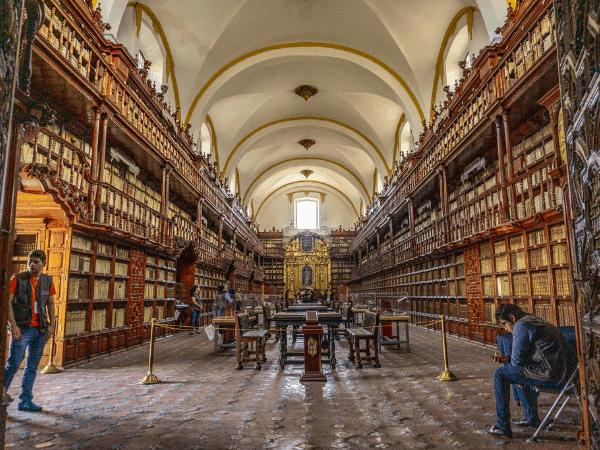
x: 190, y: 328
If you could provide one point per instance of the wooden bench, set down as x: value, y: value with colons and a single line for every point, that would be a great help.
x: 369, y: 332
x: 245, y: 336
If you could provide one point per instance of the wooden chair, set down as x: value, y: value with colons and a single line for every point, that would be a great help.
x: 244, y: 336
x: 268, y: 320
x: 369, y: 332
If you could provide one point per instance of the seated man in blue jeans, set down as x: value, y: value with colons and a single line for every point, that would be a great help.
x: 541, y: 356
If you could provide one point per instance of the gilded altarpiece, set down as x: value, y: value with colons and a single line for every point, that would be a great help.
x: 307, y: 263
x: 578, y: 29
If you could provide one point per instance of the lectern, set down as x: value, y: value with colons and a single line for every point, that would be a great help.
x: 313, y: 335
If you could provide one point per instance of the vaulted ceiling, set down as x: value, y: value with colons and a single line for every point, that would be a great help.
x: 235, y: 64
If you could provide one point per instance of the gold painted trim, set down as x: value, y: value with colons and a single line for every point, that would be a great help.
x: 237, y: 180
x: 292, y: 119
x: 439, y: 67
x: 397, y: 137
x: 309, y: 181
x: 299, y: 45
x: 374, y: 183
x: 170, y: 63
x: 252, y: 207
x: 304, y: 159
x: 213, y: 138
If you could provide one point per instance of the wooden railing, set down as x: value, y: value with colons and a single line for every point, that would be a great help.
x: 451, y: 134
x: 108, y: 74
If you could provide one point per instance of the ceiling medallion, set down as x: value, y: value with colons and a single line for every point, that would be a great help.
x: 306, y: 91
x: 306, y: 143
x: 306, y: 172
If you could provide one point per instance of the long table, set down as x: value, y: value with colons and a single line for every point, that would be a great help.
x: 227, y: 325
x: 307, y: 307
x: 296, y: 319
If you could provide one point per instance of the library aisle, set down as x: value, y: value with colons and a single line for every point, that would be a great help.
x: 204, y: 403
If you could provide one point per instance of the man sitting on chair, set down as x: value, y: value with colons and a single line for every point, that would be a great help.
x: 538, y: 354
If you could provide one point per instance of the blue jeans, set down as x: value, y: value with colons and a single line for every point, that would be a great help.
x: 505, y: 347
x: 33, y: 341
x: 195, y: 319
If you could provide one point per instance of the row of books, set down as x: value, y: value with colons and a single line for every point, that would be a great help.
x: 98, y: 319
x: 78, y: 288
x: 75, y: 322
x: 105, y: 249
x: 81, y: 243
x: 118, y: 317
x: 103, y: 266
x: 101, y: 289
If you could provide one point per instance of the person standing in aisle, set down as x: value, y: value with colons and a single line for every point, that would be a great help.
x: 31, y: 319
x: 195, y: 309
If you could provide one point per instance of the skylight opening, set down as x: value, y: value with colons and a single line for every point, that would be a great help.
x: 307, y: 214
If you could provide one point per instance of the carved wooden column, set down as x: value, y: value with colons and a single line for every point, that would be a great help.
x: 503, y: 194
x: 164, y: 201
x: 510, y: 165
x: 393, y: 253
x: 368, y: 251
x: 443, y: 196
x: 135, y: 306
x: 199, y: 217
x: 94, y: 160
x: 578, y: 141
x: 100, y: 170
x: 474, y: 293
x: 411, y: 216
x: 378, y: 244
x: 220, y: 243
x: 11, y: 19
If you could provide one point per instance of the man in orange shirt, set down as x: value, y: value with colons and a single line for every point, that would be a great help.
x: 31, y: 297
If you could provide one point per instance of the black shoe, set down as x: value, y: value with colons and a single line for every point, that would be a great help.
x: 527, y: 423
x: 493, y: 429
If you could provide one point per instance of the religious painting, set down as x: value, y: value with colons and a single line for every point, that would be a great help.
x: 307, y: 243
x: 307, y: 275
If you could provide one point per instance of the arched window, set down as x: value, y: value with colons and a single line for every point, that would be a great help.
x: 405, y: 141
x: 151, y: 50
x: 457, y: 52
x: 306, y: 214
x: 204, y: 141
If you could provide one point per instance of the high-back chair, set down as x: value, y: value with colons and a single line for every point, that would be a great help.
x: 244, y: 336
x: 267, y: 319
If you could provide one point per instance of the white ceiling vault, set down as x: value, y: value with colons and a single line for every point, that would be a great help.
x: 239, y: 61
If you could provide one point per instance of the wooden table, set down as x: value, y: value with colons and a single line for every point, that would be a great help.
x: 296, y: 319
x: 227, y: 324
x: 394, y: 340
x: 307, y: 307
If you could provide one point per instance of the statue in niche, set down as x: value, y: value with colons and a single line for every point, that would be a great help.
x: 307, y: 274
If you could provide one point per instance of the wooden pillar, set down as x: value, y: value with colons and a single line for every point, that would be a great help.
x: 368, y: 252
x: 443, y: 191
x: 164, y: 194
x: 100, y: 169
x: 199, y: 216
x: 220, y: 244
x: 94, y: 160
x: 511, y: 167
x: 411, y: 216
x: 504, y: 195
x: 378, y: 243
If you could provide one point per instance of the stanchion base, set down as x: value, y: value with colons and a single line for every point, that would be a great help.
x: 150, y: 379
x: 51, y: 368
x: 447, y: 376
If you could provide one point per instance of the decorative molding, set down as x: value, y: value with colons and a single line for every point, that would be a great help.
x: 306, y: 143
x: 305, y: 159
x: 306, y: 172
x: 293, y: 119
x: 306, y: 91
x: 116, y: 154
x: 310, y: 45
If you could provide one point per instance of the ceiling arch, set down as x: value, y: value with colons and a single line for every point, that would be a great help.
x: 408, y: 100
x: 308, y: 183
x: 248, y: 141
x: 277, y: 172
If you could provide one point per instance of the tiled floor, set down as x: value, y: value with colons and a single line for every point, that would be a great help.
x: 204, y: 403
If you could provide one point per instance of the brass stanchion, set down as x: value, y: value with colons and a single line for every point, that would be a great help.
x: 150, y: 378
x: 446, y: 374
x: 50, y: 367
